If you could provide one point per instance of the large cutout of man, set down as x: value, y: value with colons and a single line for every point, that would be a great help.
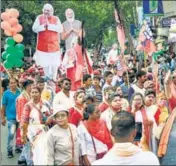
x: 75, y: 62
x: 71, y: 28
x: 48, y: 27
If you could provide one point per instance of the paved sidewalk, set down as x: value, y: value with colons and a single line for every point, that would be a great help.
x: 4, y: 159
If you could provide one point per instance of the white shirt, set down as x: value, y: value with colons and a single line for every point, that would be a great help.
x: 87, y: 144
x: 137, y: 89
x: 61, y: 98
x: 112, y: 56
x: 150, y: 115
x: 141, y: 158
x: 107, y: 117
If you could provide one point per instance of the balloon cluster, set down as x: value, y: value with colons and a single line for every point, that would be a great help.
x: 10, y: 24
x: 13, y: 54
x: 14, y: 50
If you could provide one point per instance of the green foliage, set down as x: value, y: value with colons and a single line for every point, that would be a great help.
x: 110, y: 37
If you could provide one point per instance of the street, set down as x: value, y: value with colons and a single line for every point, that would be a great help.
x: 4, y: 159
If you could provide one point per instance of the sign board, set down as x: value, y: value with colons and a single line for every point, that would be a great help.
x: 166, y: 22
x: 153, y: 7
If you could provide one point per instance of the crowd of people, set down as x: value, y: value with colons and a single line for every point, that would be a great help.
x: 100, y: 120
x: 119, y: 113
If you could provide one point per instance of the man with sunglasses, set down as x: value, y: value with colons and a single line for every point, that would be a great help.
x: 170, y: 89
x: 64, y: 97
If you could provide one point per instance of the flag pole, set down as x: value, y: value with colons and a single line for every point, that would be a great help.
x: 120, y: 22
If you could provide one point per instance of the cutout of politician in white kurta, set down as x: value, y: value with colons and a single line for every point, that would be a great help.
x: 47, y: 55
x: 75, y: 62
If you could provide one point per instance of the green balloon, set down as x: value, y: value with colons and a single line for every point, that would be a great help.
x: 11, y: 57
x: 19, y: 63
x: 16, y: 60
x: 20, y: 47
x: 19, y: 54
x: 10, y: 41
x: 4, y: 55
x: 5, y: 46
x: 10, y: 49
x: 8, y: 64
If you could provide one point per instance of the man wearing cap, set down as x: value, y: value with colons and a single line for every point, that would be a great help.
x: 48, y: 27
x: 20, y: 103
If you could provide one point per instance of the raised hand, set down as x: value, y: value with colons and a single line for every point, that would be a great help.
x: 167, y: 79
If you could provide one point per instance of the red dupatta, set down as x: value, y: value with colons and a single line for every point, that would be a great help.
x: 99, y: 130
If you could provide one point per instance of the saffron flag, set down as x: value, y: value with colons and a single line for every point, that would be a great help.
x: 146, y: 41
x: 120, y: 31
x: 153, y: 7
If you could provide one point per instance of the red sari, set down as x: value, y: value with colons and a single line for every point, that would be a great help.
x: 99, y: 130
x: 75, y: 116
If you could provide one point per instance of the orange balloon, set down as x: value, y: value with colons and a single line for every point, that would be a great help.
x: 18, y: 27
x: 18, y: 38
x: 5, y: 25
x: 5, y: 16
x: 13, y: 21
x: 13, y: 30
x: 8, y: 33
x: 13, y: 12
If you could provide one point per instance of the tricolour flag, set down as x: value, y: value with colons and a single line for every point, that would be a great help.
x: 146, y: 41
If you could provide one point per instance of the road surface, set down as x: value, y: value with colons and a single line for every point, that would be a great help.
x: 4, y: 159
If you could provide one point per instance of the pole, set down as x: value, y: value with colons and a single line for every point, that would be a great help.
x: 124, y: 59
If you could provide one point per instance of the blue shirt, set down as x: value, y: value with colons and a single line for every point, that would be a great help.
x: 9, y: 101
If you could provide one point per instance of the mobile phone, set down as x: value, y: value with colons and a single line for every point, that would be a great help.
x: 138, y: 126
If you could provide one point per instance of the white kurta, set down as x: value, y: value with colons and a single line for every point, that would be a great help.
x: 141, y: 158
x: 61, y: 99
x: 150, y: 115
x: 107, y: 117
x: 137, y: 89
x: 112, y: 56
x: 47, y: 59
x: 87, y: 144
x: 76, y: 24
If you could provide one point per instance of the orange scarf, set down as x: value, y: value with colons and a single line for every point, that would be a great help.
x: 147, y: 126
x: 99, y: 130
x: 165, y: 135
x: 125, y: 149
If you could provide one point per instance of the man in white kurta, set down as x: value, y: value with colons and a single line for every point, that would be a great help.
x: 124, y: 152
x: 48, y: 28
x: 112, y: 55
